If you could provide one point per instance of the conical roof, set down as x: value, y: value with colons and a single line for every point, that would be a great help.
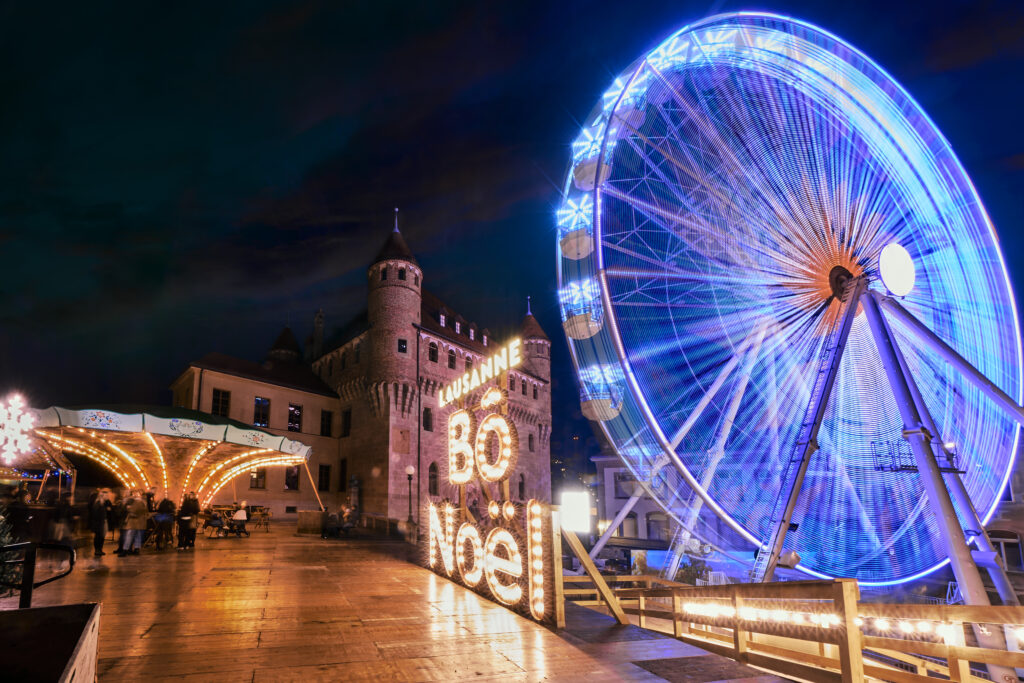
x: 531, y: 329
x: 286, y: 346
x: 395, y: 248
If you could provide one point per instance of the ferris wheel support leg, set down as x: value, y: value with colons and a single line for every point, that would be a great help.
x: 996, y: 570
x: 950, y: 355
x: 967, y: 575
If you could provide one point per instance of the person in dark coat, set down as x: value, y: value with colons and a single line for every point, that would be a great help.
x: 164, y: 519
x: 188, y: 516
x: 99, y: 507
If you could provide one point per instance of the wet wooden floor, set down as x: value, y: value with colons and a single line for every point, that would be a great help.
x: 280, y: 607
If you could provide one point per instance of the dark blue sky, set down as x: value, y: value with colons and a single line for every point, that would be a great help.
x: 175, y: 181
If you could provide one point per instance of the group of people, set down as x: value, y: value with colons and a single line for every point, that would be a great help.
x: 135, y: 515
x: 340, y: 522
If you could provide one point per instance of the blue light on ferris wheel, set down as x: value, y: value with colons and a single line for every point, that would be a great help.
x: 715, y: 185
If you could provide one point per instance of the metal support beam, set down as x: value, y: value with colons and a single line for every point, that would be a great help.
x: 956, y: 486
x: 967, y: 575
x: 807, y: 442
x: 950, y: 355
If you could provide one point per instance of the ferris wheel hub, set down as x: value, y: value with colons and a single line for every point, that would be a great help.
x: 838, y: 278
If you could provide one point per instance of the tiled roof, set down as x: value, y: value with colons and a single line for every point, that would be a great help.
x: 531, y: 329
x: 291, y: 375
x: 395, y: 248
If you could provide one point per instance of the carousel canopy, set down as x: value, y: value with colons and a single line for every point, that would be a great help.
x: 173, y: 449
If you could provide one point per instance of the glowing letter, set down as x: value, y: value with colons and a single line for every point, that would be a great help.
x: 460, y: 453
x: 465, y: 384
x: 441, y: 538
x: 514, y: 357
x: 508, y: 448
x: 510, y: 593
x: 474, y: 380
x: 487, y: 370
x: 501, y: 360
x: 468, y: 532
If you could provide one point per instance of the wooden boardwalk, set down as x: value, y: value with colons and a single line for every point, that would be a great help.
x: 280, y: 607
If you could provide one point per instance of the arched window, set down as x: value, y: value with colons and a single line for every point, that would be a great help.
x: 511, y: 382
x: 524, y: 387
x: 535, y: 393
x: 451, y: 359
x: 428, y: 420
x: 384, y: 273
x: 432, y: 352
x: 530, y: 441
x: 432, y: 480
x: 522, y: 487
x: 469, y: 363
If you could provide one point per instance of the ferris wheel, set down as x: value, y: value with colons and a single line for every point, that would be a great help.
x: 787, y: 307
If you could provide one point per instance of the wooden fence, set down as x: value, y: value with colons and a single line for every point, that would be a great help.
x: 812, y: 630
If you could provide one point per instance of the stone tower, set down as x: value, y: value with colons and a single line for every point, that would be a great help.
x: 536, y: 346
x: 394, y: 309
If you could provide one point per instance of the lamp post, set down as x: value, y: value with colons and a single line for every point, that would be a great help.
x: 409, y: 471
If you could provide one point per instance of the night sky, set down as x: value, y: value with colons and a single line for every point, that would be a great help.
x: 176, y: 181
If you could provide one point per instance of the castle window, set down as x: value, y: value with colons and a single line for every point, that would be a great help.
x: 416, y: 279
x: 441, y: 319
x: 522, y: 487
x: 384, y: 273
x: 458, y: 327
x: 511, y: 382
x: 294, y: 418
x: 401, y: 273
x: 432, y: 352
x: 326, y: 420
x: 346, y: 422
x: 261, y: 412
x: 524, y: 387
x: 432, y: 488
x: 530, y: 441
x: 428, y: 420
x: 451, y: 359
x: 221, y: 402
x: 472, y: 333
x: 403, y: 346
x: 534, y: 393
x: 469, y: 363
x: 291, y: 478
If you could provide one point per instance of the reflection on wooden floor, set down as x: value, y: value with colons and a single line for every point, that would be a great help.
x: 279, y: 607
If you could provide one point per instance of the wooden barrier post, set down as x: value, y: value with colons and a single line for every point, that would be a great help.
x: 959, y: 669
x: 739, y: 636
x: 851, y: 656
x: 603, y: 590
x: 678, y: 625
x: 556, y: 568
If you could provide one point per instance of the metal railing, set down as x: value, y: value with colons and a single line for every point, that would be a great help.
x: 28, y: 581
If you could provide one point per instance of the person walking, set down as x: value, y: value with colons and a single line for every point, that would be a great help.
x: 118, y: 515
x: 135, y: 524
x: 164, y: 519
x: 188, y: 515
x: 97, y: 520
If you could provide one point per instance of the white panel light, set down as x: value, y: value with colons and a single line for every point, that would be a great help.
x: 575, y: 511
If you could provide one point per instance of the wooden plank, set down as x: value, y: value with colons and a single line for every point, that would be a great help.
x: 845, y: 604
x: 971, y: 654
x: 793, y: 669
x: 896, y: 675
x: 556, y: 568
x: 817, y: 660
x: 588, y: 566
x: 998, y: 614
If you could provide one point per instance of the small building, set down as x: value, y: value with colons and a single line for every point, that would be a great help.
x: 646, y: 521
x: 365, y: 398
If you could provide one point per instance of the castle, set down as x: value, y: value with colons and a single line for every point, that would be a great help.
x: 369, y: 400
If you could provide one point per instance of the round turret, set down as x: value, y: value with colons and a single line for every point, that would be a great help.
x: 536, y: 345
x: 395, y: 299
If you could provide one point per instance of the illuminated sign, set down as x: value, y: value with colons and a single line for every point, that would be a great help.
x: 508, y: 356
x: 507, y: 557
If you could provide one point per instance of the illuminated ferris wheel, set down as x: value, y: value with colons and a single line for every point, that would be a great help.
x: 787, y: 307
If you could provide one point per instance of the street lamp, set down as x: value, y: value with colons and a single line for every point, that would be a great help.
x: 409, y: 471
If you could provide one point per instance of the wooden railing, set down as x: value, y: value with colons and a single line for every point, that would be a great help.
x: 812, y: 630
